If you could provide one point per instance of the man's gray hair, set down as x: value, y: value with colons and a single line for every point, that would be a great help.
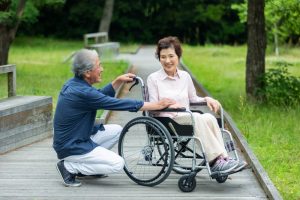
x: 84, y: 60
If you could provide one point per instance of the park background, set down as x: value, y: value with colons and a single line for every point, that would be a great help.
x: 214, y: 34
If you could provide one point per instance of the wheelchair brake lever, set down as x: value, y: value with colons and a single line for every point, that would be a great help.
x: 135, y: 83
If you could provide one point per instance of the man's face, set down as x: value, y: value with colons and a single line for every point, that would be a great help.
x: 94, y: 75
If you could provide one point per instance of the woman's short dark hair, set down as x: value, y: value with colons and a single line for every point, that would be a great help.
x: 166, y: 43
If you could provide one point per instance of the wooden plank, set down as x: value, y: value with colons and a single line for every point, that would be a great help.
x: 24, y: 120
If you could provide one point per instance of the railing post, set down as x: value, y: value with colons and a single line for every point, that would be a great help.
x: 10, y: 70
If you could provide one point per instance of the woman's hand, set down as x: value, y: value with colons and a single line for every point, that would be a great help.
x: 214, y: 105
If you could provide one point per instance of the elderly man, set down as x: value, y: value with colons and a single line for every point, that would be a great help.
x: 81, y: 146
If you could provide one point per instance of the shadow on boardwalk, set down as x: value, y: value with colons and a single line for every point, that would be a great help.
x: 29, y: 172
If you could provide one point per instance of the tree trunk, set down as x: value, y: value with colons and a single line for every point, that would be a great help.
x: 5, y: 42
x: 107, y: 16
x: 8, y: 32
x: 255, y: 64
x: 276, y: 39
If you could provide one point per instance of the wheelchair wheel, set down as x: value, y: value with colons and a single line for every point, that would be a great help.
x: 138, y: 146
x: 187, y: 183
x: 221, y: 179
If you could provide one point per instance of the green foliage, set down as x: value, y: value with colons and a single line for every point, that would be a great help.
x: 50, y: 3
x: 8, y: 18
x: 282, y: 17
x: 197, y: 22
x: 31, y: 12
x: 286, y: 13
x: 193, y: 21
x: 281, y: 88
x: 242, y: 11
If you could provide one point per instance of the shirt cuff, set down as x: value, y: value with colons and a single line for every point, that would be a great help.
x: 138, y: 106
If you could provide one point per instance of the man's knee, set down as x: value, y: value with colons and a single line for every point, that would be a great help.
x: 119, y: 129
x: 119, y: 164
x: 116, y: 129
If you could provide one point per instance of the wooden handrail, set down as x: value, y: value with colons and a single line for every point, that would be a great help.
x: 10, y: 70
x: 96, y: 37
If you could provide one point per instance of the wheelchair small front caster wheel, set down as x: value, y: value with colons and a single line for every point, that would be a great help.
x: 187, y: 183
x: 221, y: 179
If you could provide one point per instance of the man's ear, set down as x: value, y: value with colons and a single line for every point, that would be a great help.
x: 86, y: 74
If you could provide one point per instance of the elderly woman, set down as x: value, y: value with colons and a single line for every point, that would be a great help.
x: 82, y: 147
x: 170, y: 82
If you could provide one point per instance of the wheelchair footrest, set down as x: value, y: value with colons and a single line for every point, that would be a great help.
x: 219, y: 174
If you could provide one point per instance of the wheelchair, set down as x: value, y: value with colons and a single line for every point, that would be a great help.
x: 152, y: 147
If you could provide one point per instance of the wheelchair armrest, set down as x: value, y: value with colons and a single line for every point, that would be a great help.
x: 198, y: 104
x: 183, y: 109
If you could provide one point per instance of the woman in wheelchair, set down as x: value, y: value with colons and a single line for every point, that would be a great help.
x: 170, y: 82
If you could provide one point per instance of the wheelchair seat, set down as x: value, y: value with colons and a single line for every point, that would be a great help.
x: 174, y: 128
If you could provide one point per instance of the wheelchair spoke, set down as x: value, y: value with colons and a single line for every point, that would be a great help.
x: 144, y: 164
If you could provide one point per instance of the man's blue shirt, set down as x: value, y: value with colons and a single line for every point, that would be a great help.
x: 75, y: 115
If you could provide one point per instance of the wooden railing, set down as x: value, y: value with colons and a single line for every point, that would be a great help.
x: 10, y: 70
x: 100, y: 37
x: 101, y: 44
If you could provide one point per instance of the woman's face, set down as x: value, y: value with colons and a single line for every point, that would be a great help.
x: 169, y: 60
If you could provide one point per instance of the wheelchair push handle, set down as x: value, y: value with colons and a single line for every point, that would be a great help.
x: 136, y: 81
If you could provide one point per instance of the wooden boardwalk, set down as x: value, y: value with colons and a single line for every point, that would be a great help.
x: 29, y: 172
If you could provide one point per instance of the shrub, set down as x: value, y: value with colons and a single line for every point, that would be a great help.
x: 280, y: 87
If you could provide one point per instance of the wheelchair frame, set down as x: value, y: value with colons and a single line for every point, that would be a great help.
x: 158, y: 149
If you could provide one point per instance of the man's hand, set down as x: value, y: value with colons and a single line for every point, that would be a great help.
x: 213, y: 104
x: 166, y: 102
x: 161, y: 104
x: 125, y: 78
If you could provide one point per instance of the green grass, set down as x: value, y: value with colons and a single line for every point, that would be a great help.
x: 272, y: 132
x: 41, y: 69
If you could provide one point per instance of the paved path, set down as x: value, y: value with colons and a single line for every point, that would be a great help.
x: 29, y: 172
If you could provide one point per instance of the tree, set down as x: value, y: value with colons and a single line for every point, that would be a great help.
x: 255, y: 63
x: 12, y: 13
x: 106, y: 16
x: 9, y: 23
x: 282, y: 20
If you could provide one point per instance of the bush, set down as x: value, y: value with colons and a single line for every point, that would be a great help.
x: 280, y: 87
